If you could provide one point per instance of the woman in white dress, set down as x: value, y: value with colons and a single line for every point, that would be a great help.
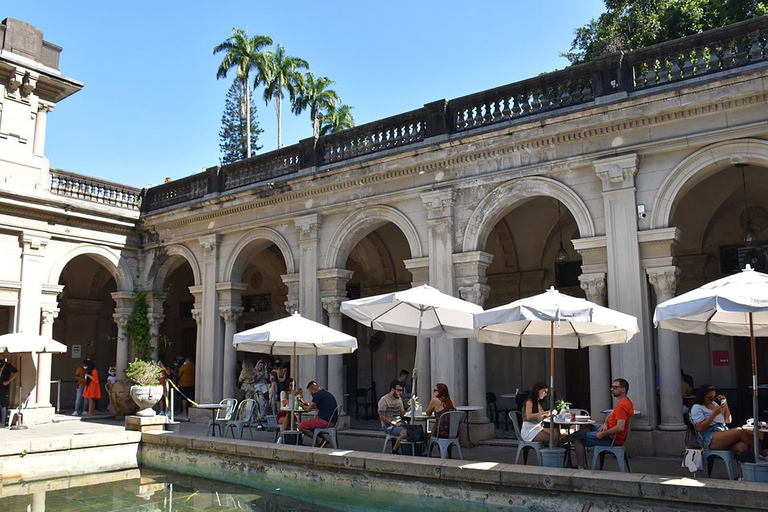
x: 534, y: 414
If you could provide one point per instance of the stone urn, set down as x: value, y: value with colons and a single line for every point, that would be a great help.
x: 120, y: 398
x: 146, y: 397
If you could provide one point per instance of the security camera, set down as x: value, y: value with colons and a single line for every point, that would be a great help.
x: 641, y: 211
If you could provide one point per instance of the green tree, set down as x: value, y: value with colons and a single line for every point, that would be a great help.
x: 234, y: 125
x: 281, y: 72
x: 340, y: 118
x: 244, y: 54
x: 316, y: 97
x: 632, y: 24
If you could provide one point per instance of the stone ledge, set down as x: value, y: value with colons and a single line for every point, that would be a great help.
x: 145, y: 423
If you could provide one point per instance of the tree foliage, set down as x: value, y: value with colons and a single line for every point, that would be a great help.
x: 233, y: 133
x: 337, y: 119
x: 632, y: 24
x: 316, y: 97
x: 281, y: 72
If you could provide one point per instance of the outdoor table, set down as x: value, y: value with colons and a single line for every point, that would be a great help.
x: 468, y: 409
x: 511, y: 396
x: 609, y: 411
x: 214, y: 408
x: 568, y: 424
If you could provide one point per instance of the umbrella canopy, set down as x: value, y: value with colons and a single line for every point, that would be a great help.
x: 419, y: 311
x: 553, y: 320
x: 20, y: 343
x: 736, y: 305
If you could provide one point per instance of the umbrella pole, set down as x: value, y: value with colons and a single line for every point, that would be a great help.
x: 292, y: 403
x: 551, y: 382
x: 413, y: 391
x: 755, y: 408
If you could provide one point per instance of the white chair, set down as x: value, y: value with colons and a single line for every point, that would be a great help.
x: 242, y: 419
x: 709, y: 456
x: 331, y: 431
x: 222, y: 416
x: 524, y: 446
x: 444, y: 443
x: 620, y: 452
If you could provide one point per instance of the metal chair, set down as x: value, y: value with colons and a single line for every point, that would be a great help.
x: 620, y: 452
x: 243, y: 418
x: 330, y: 430
x: 273, y: 425
x: 524, y: 446
x: 711, y: 455
x: 222, y: 416
x: 365, y: 398
x: 445, y: 443
x: 494, y: 411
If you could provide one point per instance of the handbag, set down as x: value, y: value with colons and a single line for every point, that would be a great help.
x: 693, y: 460
x: 415, y: 433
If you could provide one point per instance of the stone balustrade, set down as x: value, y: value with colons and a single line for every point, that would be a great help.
x: 86, y: 188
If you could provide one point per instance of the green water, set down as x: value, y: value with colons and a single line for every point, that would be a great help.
x: 153, y: 491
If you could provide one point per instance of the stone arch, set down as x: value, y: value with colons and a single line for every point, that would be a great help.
x: 169, y: 263
x: 499, y: 201
x: 364, y: 221
x: 237, y: 256
x: 116, y: 266
x: 699, y: 166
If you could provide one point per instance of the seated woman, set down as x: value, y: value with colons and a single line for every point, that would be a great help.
x: 441, y: 402
x: 533, y: 415
x: 283, y: 418
x: 710, y: 414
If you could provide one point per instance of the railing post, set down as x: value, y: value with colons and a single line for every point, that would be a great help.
x: 610, y: 75
x: 310, y: 153
x: 437, y: 118
x: 213, y: 179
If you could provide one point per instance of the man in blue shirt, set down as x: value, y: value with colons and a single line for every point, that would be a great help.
x: 325, y: 404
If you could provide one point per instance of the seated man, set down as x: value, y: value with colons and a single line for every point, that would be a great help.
x: 325, y: 404
x: 391, y: 411
x: 615, y: 427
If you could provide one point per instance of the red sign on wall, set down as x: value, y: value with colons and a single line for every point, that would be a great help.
x: 721, y: 358
x: 390, y: 358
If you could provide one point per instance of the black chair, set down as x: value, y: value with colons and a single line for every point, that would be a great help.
x: 494, y: 411
x: 365, y: 398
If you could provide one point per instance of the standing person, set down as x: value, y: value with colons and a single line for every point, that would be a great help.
x: 441, y: 402
x: 111, y: 379
x: 7, y: 374
x: 391, y: 411
x: 534, y: 414
x: 165, y: 374
x: 616, y: 423
x: 261, y: 393
x: 93, y: 387
x: 283, y: 372
x: 325, y: 404
x: 81, y: 382
x: 247, y: 378
x: 407, y: 391
x: 187, y: 383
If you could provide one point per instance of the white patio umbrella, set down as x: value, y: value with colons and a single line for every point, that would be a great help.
x: 21, y: 343
x: 736, y: 305
x: 294, y: 336
x: 418, y: 311
x: 553, y: 320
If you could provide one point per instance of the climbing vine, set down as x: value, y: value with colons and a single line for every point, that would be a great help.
x: 138, y: 327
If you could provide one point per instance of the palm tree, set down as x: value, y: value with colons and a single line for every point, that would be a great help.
x: 316, y: 97
x: 244, y: 54
x: 281, y: 72
x: 337, y: 119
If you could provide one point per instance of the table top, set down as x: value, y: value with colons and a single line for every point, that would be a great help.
x: 215, y: 407
x: 575, y: 422
x: 418, y: 416
x: 609, y: 411
x: 469, y: 408
x: 509, y: 395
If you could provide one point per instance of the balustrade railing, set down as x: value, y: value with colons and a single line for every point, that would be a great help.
x: 690, y: 57
x: 86, y: 188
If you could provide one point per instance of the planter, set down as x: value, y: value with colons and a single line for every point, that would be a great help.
x: 146, y: 397
x: 552, y: 457
x: 120, y: 398
x: 755, y: 471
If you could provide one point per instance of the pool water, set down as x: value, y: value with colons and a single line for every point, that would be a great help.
x: 153, y: 491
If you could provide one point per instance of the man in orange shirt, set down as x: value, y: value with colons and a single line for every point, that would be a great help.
x: 616, y: 424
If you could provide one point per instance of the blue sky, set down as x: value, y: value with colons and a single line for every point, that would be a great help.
x: 151, y: 106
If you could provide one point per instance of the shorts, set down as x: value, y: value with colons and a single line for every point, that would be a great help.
x: 591, y: 440
x: 313, y: 423
x: 187, y: 391
x: 393, y: 430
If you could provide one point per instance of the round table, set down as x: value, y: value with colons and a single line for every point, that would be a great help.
x: 214, y: 408
x: 568, y: 424
x: 468, y: 409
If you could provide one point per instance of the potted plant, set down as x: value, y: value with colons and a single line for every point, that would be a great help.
x: 147, y: 390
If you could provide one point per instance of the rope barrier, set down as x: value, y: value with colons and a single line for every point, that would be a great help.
x: 194, y: 404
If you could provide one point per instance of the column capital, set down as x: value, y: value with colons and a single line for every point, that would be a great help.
x: 121, y: 319
x: 155, y: 317
x: 209, y: 243
x: 45, y: 107
x: 49, y: 315
x: 664, y: 280
x: 617, y: 172
x: 230, y: 314
x: 476, y: 293
x: 308, y: 226
x: 332, y: 305
x: 197, y: 315
x: 594, y: 287
x: 439, y: 203
x: 292, y: 300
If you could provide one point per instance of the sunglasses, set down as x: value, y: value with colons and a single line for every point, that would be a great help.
x: 398, y: 390
x: 615, y: 387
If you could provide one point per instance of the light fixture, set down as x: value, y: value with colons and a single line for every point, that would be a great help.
x: 750, y: 236
x: 562, y: 255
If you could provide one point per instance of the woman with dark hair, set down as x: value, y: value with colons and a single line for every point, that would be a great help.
x: 92, y: 387
x: 710, y: 414
x: 283, y: 417
x: 441, y: 402
x: 534, y: 414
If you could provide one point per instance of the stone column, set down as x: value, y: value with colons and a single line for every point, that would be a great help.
x: 311, y: 367
x: 333, y: 287
x: 626, y: 283
x: 447, y: 354
x: 471, y: 280
x: 230, y: 309
x: 419, y: 269
x: 210, y: 361
x: 155, y: 317
x: 599, y: 357
x: 664, y: 281
x: 124, y: 302
x: 292, y: 300
x: 44, y: 360
x: 43, y: 108
x: 199, y: 318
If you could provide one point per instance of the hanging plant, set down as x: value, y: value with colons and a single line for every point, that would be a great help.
x: 138, y: 327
